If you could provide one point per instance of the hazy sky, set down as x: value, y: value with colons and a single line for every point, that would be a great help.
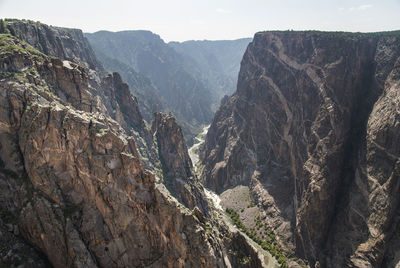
x: 179, y: 20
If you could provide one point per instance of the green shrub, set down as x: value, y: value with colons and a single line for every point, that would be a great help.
x: 250, y: 205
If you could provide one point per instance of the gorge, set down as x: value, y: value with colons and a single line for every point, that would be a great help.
x: 299, y: 166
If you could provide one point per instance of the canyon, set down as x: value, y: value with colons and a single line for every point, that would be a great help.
x: 111, y: 154
x: 187, y: 79
x: 82, y: 181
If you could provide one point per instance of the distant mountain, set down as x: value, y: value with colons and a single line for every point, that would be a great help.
x: 219, y: 61
x: 177, y: 77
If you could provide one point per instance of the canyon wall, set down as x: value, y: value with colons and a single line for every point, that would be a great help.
x: 81, y: 181
x: 313, y: 130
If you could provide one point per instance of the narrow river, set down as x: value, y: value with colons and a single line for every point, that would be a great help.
x: 266, y: 258
x: 194, y: 150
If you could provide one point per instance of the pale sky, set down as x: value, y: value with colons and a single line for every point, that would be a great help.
x: 180, y: 20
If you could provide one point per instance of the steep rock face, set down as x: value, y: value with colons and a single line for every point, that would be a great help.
x: 73, y: 186
x: 368, y: 220
x: 176, y: 77
x: 305, y: 131
x: 84, y: 85
x: 149, y: 98
x: 74, y: 182
x: 63, y: 43
x: 176, y: 164
x: 123, y: 107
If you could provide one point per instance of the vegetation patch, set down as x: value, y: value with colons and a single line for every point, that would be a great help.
x: 101, y: 132
x: 251, y: 205
x: 10, y: 45
x: 269, y: 243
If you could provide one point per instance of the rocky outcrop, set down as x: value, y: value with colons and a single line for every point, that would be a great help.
x: 148, y: 96
x: 176, y: 164
x: 63, y: 43
x: 312, y: 129
x: 74, y: 188
x: 78, y: 80
x: 176, y: 77
x: 123, y: 108
x: 80, y: 192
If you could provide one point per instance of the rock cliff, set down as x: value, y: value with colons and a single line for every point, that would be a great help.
x: 177, y: 167
x: 77, y: 190
x: 176, y: 77
x: 110, y: 94
x: 63, y: 43
x: 313, y: 131
x: 148, y: 96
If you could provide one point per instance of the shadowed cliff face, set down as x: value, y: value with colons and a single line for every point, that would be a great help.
x: 302, y: 132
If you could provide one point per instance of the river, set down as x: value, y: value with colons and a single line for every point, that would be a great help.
x: 194, y: 150
x: 266, y: 258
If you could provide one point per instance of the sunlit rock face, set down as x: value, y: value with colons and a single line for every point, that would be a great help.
x: 77, y: 171
x: 176, y: 164
x: 313, y: 129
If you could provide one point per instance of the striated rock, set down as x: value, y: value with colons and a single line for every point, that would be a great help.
x: 312, y: 129
x: 90, y: 203
x: 376, y: 176
x: 74, y: 189
x: 109, y: 95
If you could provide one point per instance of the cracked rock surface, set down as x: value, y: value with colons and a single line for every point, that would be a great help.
x: 77, y: 187
x: 313, y: 129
